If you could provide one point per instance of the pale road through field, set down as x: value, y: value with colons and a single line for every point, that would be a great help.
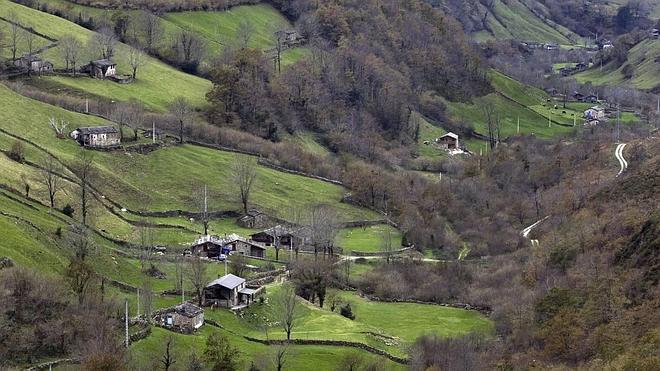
x: 619, y: 156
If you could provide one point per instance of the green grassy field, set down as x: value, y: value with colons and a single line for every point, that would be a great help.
x: 367, y: 239
x: 388, y: 320
x: 513, y: 20
x: 165, y: 177
x: 157, y: 83
x: 646, y: 71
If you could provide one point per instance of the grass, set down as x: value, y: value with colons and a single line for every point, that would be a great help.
x: 157, y: 83
x: 165, y: 177
x: 300, y: 357
x: 386, y: 319
x: 367, y: 239
x: 646, y: 71
x: 513, y: 20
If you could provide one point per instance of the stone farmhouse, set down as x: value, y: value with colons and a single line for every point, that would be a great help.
x: 34, y: 63
x: 285, y: 236
x: 448, y: 141
x: 100, y: 69
x: 229, y: 291
x: 185, y: 318
x: 97, y: 136
x: 213, y: 246
x: 254, y: 219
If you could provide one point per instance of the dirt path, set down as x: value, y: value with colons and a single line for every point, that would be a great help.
x: 618, y: 153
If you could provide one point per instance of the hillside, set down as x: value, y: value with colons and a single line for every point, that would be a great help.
x: 514, y: 19
x: 641, y: 66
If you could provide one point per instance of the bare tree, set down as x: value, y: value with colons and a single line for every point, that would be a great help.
x: 244, y: 175
x: 280, y: 355
x: 280, y: 38
x: 181, y: 110
x: 146, y: 298
x: 50, y: 168
x: 30, y: 39
x: 199, y: 198
x: 244, y: 32
x: 136, y: 58
x: 121, y: 114
x: 189, y: 48
x: 323, y: 224
x: 70, y: 50
x: 151, y: 29
x: 238, y: 265
x: 14, y: 34
x: 136, y: 117
x: 386, y: 244
x: 197, y: 276
x: 168, y: 358
x: 83, y: 167
x: 58, y: 127
x: 286, y: 308
x: 492, y: 123
x: 103, y: 43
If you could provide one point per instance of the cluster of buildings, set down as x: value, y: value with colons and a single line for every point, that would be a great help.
x: 98, y: 69
x: 567, y: 71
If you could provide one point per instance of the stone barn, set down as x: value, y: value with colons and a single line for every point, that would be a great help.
x: 186, y: 318
x: 100, y: 69
x: 214, y: 246
x: 97, y: 136
x: 448, y: 141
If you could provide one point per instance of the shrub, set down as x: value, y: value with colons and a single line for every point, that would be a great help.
x: 360, y: 261
x: 17, y: 152
x: 347, y: 312
x: 68, y: 210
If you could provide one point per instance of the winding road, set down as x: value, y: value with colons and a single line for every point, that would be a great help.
x: 619, y: 156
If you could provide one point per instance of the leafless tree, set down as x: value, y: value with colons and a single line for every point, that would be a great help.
x: 189, y: 47
x: 30, y: 39
x: 136, y: 58
x: 238, y: 265
x: 181, y: 110
x: 136, y: 117
x: 151, y: 29
x: 386, y: 244
x: 58, y: 127
x: 280, y: 38
x: 168, y: 358
x: 199, y: 199
x: 244, y: 176
x: 14, y: 34
x: 81, y: 242
x: 280, y: 355
x: 103, y: 42
x: 83, y: 167
x: 244, y: 32
x: 70, y: 50
x: 197, y: 275
x: 286, y: 309
x: 121, y: 113
x: 323, y: 224
x: 492, y: 123
x: 146, y: 299
x: 50, y: 170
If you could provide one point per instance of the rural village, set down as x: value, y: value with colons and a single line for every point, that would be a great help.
x: 331, y: 185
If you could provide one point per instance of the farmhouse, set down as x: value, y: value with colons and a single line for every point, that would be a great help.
x: 448, y: 141
x: 34, y: 63
x: 285, y: 236
x: 213, y: 246
x: 97, y: 136
x: 594, y: 113
x: 101, y: 68
x: 591, y: 98
x: 229, y: 291
x: 253, y: 219
x: 186, y: 317
x: 578, y: 96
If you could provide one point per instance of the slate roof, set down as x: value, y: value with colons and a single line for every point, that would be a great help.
x: 229, y: 281
x: 97, y: 130
x: 188, y: 309
x: 223, y: 241
x: 451, y: 135
x: 103, y: 63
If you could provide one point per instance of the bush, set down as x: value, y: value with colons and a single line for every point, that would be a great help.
x: 360, y: 261
x: 17, y: 152
x: 347, y: 312
x: 68, y: 210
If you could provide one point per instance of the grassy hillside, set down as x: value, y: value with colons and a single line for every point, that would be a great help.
x: 165, y: 177
x: 157, y: 83
x: 513, y: 20
x: 646, y: 70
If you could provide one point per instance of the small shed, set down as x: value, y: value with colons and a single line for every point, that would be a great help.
x: 254, y: 219
x: 448, y: 141
x: 97, y: 136
x: 186, y: 318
